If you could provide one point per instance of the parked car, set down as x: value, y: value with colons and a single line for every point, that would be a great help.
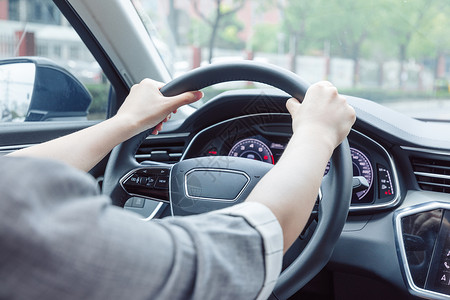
x: 391, y: 242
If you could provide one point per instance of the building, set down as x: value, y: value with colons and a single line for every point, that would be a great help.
x: 37, y: 28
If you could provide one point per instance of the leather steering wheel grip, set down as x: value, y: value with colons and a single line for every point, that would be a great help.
x: 243, y: 70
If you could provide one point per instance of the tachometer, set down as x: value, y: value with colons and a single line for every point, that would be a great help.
x: 252, y: 149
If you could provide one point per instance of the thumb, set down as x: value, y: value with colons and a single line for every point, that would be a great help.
x: 184, y: 98
x: 292, y: 105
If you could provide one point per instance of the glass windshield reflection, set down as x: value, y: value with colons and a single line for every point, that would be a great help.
x: 16, y: 90
x: 419, y: 235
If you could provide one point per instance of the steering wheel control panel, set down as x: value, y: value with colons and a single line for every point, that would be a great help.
x: 424, y: 243
x: 264, y: 137
x: 149, y: 182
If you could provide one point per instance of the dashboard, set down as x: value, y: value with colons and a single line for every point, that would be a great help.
x: 264, y: 137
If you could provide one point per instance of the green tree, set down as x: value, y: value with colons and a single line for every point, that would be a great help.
x: 222, y: 11
x: 265, y: 38
x: 432, y: 39
x: 350, y: 27
x: 228, y: 36
x: 301, y: 21
x: 410, y: 21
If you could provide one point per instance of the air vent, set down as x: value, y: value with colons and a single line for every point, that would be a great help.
x: 163, y: 149
x: 432, y: 174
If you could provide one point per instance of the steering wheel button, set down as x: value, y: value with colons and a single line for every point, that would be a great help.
x: 162, y: 182
x: 138, y: 202
x: 163, y: 172
x: 142, y: 180
x: 132, y: 181
x: 150, y: 182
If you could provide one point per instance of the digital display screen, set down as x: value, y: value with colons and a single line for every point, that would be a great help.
x: 277, y: 146
x: 277, y: 149
x: 438, y: 278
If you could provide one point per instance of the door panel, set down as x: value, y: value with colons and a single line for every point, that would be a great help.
x: 14, y: 136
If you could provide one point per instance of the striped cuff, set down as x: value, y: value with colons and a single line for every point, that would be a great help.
x: 263, y: 220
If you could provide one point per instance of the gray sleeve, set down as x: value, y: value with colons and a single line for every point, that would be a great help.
x: 60, y: 239
x: 265, y: 222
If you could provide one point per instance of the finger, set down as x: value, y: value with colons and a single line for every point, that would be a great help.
x: 159, y: 84
x: 292, y: 105
x: 154, y: 83
x: 325, y: 83
x: 184, y: 98
x: 352, y: 114
x: 157, y: 128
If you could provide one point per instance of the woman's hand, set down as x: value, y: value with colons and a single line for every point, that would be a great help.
x: 323, y: 114
x: 145, y: 107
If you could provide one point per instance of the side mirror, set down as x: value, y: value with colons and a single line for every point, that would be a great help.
x: 37, y: 89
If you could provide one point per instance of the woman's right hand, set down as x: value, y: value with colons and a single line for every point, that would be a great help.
x: 323, y: 114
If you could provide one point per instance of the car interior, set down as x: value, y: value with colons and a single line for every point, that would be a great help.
x: 380, y: 228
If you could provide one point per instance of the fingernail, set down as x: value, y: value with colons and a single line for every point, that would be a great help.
x: 198, y: 95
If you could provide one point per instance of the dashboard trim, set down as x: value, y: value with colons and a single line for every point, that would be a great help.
x: 414, y: 289
x: 397, y: 198
x: 433, y: 175
x: 153, y: 214
x: 163, y: 135
x: 8, y: 149
x: 428, y: 151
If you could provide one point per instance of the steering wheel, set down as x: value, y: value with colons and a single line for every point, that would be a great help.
x: 190, y: 186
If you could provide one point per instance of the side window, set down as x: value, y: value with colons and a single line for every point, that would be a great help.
x: 34, y: 39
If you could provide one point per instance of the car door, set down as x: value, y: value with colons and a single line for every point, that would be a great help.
x: 50, y: 83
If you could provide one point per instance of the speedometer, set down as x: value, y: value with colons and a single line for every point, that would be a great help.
x: 361, y: 167
x: 252, y: 149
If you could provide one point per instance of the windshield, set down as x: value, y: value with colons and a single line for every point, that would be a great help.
x: 394, y: 52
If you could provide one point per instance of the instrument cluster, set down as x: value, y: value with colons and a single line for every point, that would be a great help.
x: 265, y: 141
